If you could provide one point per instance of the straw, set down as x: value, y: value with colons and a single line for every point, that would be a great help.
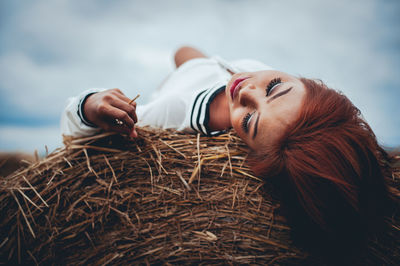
x: 134, y: 99
x: 108, y: 199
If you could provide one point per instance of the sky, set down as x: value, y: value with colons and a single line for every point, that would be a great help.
x: 52, y: 50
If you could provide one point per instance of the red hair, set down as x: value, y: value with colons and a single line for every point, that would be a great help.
x: 328, y: 169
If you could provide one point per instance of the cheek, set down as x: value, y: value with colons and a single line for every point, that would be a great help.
x: 236, y: 120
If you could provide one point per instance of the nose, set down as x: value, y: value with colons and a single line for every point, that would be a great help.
x: 247, y: 94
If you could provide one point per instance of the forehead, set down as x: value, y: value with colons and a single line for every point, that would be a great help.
x: 276, y: 115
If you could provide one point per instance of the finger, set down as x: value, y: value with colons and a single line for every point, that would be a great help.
x: 133, y: 133
x: 110, y: 125
x: 135, y: 116
x: 126, y: 99
x: 122, y: 129
x: 116, y: 91
x: 116, y: 113
x: 128, y: 108
x: 132, y: 103
x: 122, y: 96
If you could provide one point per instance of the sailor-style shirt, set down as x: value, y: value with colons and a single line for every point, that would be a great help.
x: 182, y: 102
x: 200, y: 113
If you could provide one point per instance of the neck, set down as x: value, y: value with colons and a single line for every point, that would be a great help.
x: 219, y: 113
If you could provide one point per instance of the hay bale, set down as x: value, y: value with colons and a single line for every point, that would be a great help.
x: 167, y: 197
x: 10, y: 162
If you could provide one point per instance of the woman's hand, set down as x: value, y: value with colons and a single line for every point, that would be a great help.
x: 111, y: 111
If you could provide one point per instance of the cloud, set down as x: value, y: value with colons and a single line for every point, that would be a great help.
x: 54, y: 49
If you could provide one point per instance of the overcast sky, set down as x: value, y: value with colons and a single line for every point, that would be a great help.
x: 50, y: 50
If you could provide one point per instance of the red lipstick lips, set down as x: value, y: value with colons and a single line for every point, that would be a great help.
x: 235, y: 86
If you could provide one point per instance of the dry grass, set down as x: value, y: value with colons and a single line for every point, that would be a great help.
x: 167, y: 197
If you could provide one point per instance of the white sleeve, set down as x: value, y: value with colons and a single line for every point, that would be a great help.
x: 167, y: 111
x: 72, y: 123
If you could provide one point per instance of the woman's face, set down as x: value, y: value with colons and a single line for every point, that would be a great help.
x: 262, y: 104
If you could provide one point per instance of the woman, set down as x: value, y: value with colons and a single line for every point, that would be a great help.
x: 308, y: 140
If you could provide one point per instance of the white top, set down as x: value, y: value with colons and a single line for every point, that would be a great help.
x: 181, y: 102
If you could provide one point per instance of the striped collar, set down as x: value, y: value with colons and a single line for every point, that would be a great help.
x: 200, y: 114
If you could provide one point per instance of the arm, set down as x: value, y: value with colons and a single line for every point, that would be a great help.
x: 72, y: 123
x: 186, y: 53
x: 96, y: 109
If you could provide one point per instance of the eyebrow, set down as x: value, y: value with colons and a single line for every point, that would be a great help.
x: 279, y: 94
x: 273, y: 98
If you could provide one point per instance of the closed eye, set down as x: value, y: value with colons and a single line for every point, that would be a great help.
x: 272, y: 85
x: 246, y: 121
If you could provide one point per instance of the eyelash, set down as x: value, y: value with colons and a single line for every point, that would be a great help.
x: 247, y: 117
x: 245, y: 122
x: 272, y: 84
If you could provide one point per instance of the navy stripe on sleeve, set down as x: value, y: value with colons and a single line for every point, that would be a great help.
x: 81, y: 113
